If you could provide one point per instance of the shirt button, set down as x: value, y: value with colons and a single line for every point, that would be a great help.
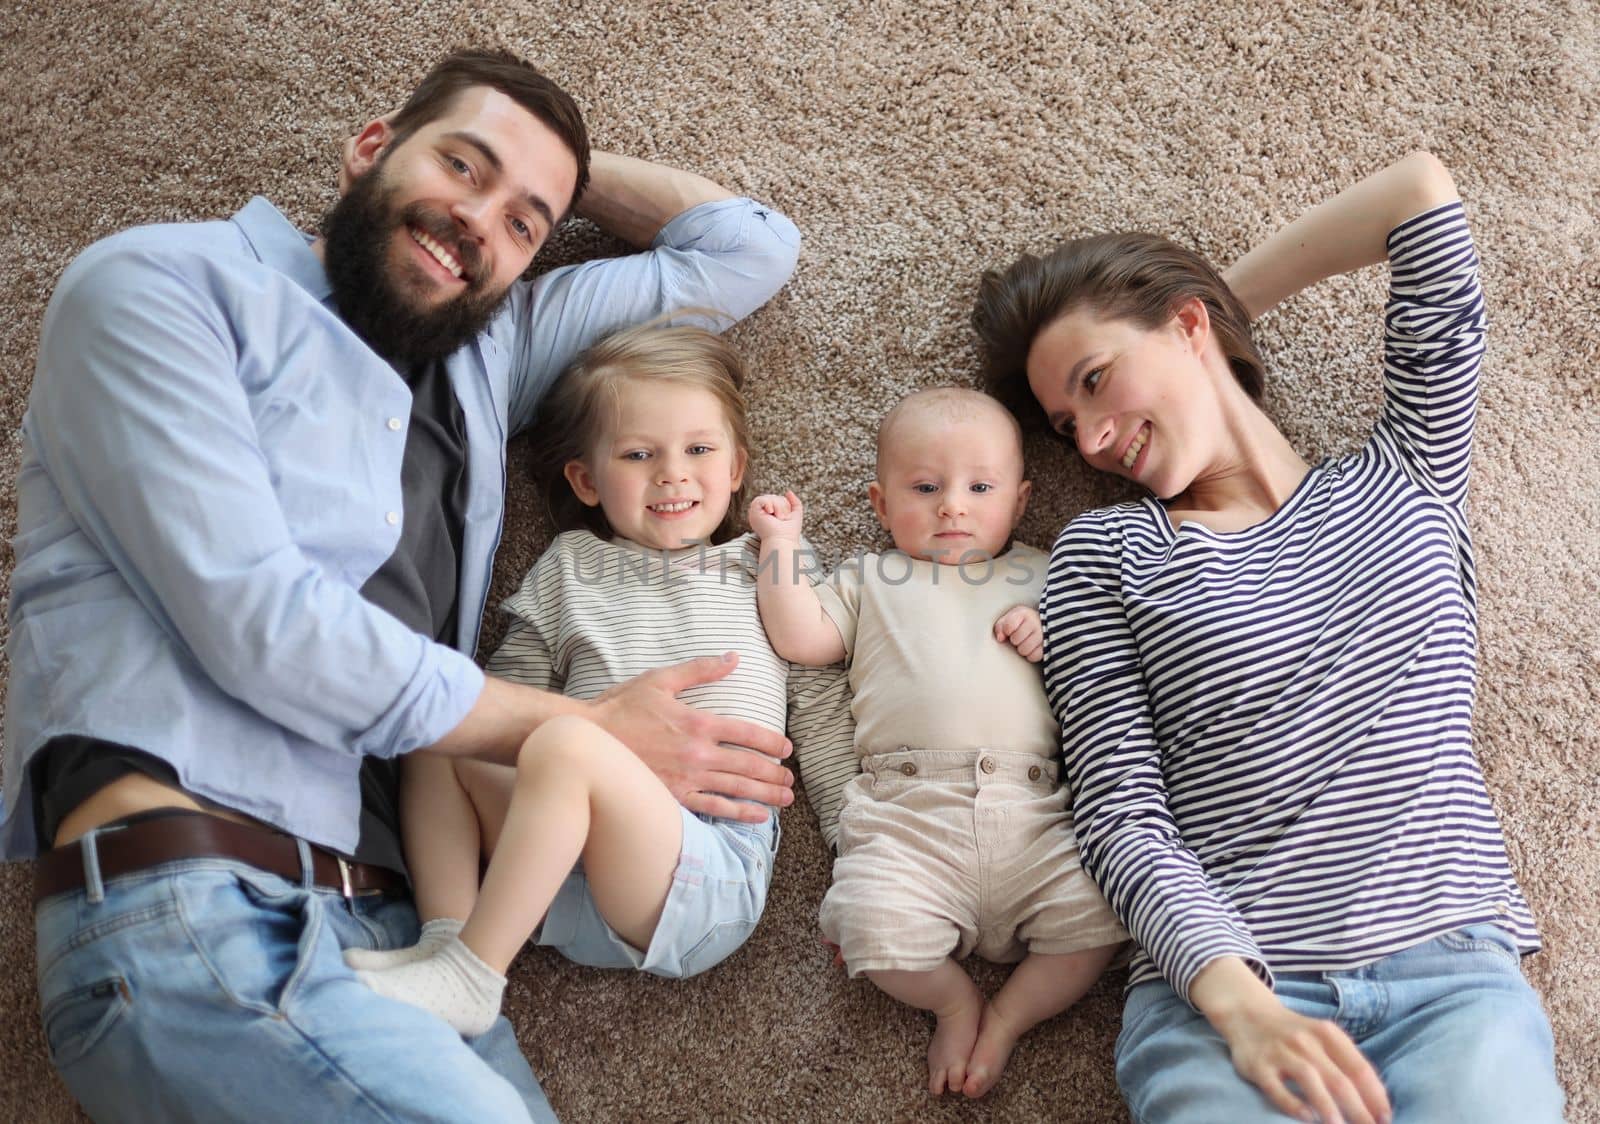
x: 1034, y: 772
x: 394, y: 424
x: 987, y: 764
x: 909, y: 769
x: 392, y: 518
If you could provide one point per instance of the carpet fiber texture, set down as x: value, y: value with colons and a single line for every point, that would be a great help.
x: 916, y: 143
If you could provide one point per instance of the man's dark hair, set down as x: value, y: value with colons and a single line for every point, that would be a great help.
x: 513, y: 77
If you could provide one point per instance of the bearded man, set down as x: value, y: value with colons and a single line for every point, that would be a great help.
x: 262, y: 486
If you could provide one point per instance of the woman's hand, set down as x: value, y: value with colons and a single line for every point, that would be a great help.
x: 1272, y: 1049
x: 1308, y: 1068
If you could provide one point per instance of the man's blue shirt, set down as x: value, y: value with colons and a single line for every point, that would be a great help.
x: 211, y: 470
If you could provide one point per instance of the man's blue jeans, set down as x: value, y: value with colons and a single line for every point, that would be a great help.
x: 207, y: 990
x: 1451, y: 1026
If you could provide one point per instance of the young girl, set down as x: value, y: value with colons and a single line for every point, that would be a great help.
x: 1265, y: 674
x: 647, y: 459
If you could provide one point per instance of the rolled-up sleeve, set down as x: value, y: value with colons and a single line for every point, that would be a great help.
x: 726, y: 258
x: 1434, y: 332
x: 144, y: 427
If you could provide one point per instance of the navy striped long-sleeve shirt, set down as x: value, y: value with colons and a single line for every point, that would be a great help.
x: 1268, y: 732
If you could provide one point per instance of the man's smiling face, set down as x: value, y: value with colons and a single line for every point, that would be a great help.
x: 437, y: 225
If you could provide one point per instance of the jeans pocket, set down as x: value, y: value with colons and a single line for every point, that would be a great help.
x: 75, y: 1021
x: 720, y: 942
x: 267, y: 889
x: 254, y: 933
x: 1481, y: 939
x: 752, y: 841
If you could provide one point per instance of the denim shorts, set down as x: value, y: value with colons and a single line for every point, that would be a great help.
x: 719, y: 889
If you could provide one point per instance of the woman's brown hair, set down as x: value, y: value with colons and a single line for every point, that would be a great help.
x: 1141, y: 278
x: 574, y: 415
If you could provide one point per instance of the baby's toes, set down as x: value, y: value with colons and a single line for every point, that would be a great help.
x: 946, y: 1077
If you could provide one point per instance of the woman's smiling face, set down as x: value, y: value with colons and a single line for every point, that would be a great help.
x: 1137, y: 401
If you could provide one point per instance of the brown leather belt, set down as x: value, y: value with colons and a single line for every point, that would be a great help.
x: 124, y: 849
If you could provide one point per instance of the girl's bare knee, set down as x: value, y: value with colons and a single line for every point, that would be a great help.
x: 568, y: 743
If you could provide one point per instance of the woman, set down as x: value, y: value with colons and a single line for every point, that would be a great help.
x: 1265, y: 675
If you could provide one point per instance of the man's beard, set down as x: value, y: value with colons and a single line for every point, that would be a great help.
x: 358, y: 234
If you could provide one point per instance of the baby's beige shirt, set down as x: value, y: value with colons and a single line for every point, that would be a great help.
x: 925, y: 668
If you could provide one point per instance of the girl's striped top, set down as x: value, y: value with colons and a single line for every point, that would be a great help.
x: 592, y: 614
x: 1268, y: 733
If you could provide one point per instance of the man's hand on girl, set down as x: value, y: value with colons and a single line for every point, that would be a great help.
x: 684, y: 746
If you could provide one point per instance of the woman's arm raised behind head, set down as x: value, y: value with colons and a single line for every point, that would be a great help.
x: 1345, y: 233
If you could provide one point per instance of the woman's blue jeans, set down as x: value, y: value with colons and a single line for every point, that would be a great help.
x: 207, y: 990
x: 1451, y: 1026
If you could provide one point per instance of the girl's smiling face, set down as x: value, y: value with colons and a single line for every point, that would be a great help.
x: 1138, y: 402
x: 664, y: 468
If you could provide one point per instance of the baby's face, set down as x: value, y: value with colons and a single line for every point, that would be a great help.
x: 949, y: 491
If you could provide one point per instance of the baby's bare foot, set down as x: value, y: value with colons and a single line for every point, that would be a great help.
x: 952, y: 1045
x: 990, y: 1052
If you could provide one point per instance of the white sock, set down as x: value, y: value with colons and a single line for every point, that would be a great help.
x: 434, y: 934
x: 452, y: 983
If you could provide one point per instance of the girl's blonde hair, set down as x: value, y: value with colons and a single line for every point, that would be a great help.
x: 575, y: 413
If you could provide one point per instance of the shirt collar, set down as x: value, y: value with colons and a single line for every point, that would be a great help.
x: 283, y: 247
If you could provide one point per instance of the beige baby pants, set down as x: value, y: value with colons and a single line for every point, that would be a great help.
x: 949, y: 852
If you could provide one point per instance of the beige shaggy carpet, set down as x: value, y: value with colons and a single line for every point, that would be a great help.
x: 916, y: 143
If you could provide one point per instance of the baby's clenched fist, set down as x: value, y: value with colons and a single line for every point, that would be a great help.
x: 777, y: 517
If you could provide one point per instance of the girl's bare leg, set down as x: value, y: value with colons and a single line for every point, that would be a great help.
x: 956, y: 1002
x: 1038, y: 988
x: 577, y: 792
x: 439, y: 826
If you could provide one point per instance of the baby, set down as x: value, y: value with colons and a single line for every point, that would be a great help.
x: 954, y: 836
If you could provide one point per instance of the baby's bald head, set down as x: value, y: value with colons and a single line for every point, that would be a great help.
x: 949, y: 480
x: 921, y: 416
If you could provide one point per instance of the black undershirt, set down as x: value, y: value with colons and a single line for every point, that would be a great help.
x: 417, y: 585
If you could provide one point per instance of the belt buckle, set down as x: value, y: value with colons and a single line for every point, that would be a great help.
x: 344, y: 879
